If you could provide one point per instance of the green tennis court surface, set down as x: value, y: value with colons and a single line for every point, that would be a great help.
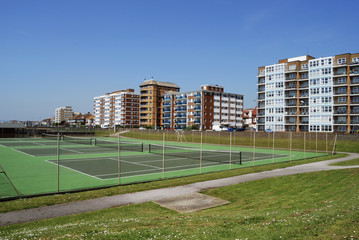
x: 31, y: 164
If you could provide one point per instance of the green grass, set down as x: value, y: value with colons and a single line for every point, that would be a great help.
x: 320, y: 205
x: 63, y: 198
x: 347, y: 163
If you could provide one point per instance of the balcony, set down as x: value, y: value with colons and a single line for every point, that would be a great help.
x: 180, y: 115
x: 180, y: 97
x: 197, y: 95
x: 197, y: 101
x: 261, y: 89
x: 166, y: 116
x: 291, y: 113
x: 354, y: 122
x: 304, y: 95
x: 304, y: 122
x: 290, y: 86
x: 197, y: 122
x: 261, y: 81
x: 304, y: 85
x: 181, y: 102
x: 166, y: 109
x: 181, y: 109
x: 354, y: 72
x: 340, y: 112
x: 340, y: 122
x: 354, y: 92
x: 167, y: 104
x: 197, y: 114
x: 290, y: 95
x: 340, y: 73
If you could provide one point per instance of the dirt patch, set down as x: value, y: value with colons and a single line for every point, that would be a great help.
x: 191, y: 202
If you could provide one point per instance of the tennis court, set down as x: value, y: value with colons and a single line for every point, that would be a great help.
x: 43, y: 165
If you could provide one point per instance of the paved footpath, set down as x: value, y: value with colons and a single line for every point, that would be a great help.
x: 159, y: 194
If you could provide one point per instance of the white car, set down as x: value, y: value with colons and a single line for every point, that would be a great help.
x: 141, y: 128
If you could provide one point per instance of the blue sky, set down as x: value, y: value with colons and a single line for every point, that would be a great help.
x: 60, y: 53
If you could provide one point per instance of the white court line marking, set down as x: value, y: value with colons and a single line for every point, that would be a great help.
x: 146, y: 165
x: 23, y: 152
x: 50, y: 161
x: 67, y: 149
x: 39, y: 144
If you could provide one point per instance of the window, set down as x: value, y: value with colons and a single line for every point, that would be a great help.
x: 341, y: 60
x: 292, y: 67
x: 342, y: 80
x: 341, y: 90
x: 342, y: 99
x: 305, y: 66
x: 356, y: 60
x: 304, y: 76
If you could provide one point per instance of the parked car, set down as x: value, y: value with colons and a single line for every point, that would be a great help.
x: 269, y: 130
x: 141, y: 128
x: 219, y: 128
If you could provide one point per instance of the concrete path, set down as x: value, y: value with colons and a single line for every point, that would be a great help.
x: 158, y: 194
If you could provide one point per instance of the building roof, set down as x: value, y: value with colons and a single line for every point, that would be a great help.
x: 164, y: 84
x: 12, y: 125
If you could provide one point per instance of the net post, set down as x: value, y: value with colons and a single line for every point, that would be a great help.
x: 94, y: 141
x: 240, y: 158
x: 149, y: 148
x: 58, y: 162
x: 141, y: 147
x: 119, y: 160
x: 200, y: 154
x: 230, y: 150
x: 163, y: 156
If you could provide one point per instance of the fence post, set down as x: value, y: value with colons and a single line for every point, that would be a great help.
x: 254, y: 147
x: 200, y: 154
x: 58, y: 162
x: 163, y: 156
x: 304, y: 144
x: 230, y: 150
x: 290, y: 147
x: 119, y: 159
x: 273, y: 148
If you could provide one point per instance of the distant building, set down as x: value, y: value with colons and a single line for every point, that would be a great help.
x: 310, y: 94
x: 79, y: 119
x: 117, y: 108
x: 250, y: 118
x: 63, y: 114
x: 151, y: 93
x: 206, y: 108
x: 11, y: 130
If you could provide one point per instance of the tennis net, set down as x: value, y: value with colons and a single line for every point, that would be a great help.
x: 129, y: 146
x: 195, y: 153
x: 78, y: 140
x: 50, y: 136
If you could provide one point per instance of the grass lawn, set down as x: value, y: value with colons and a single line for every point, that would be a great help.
x: 347, y: 163
x: 320, y: 205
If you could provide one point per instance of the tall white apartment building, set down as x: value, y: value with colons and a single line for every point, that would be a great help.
x: 310, y: 94
x: 117, y: 108
x: 63, y: 114
x: 206, y: 108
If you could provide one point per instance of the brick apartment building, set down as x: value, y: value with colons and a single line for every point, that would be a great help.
x: 117, y: 108
x: 207, y: 107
